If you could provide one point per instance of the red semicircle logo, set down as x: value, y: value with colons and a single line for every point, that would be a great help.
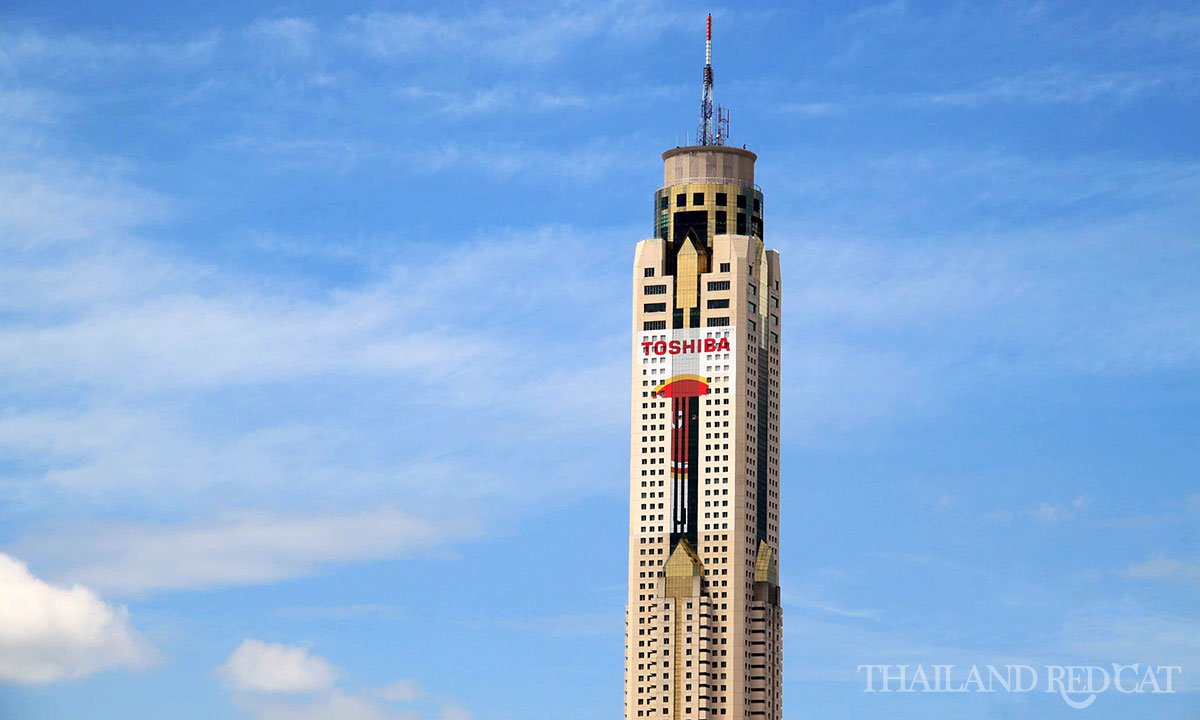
x: 683, y: 386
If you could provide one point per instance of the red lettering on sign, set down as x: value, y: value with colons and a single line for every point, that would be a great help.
x: 686, y: 347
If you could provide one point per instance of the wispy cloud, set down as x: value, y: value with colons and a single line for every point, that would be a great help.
x: 507, y: 36
x: 1144, y: 521
x: 1050, y: 513
x: 1054, y: 85
x: 891, y: 317
x: 577, y: 625
x: 589, y: 162
x: 263, y: 75
x: 62, y: 54
x: 133, y: 337
x: 456, y: 712
x: 134, y: 559
x: 1046, y: 512
x: 1165, y: 569
x: 336, y: 705
x: 313, y: 613
x: 117, y: 354
x: 818, y: 607
x: 50, y: 202
x: 278, y: 681
x: 1127, y: 635
x: 1065, y: 85
x: 292, y: 36
x: 401, y: 691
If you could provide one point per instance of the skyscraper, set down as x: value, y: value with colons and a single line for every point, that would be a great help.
x: 703, y: 635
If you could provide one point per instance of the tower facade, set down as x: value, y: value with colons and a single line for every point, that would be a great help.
x: 703, y: 636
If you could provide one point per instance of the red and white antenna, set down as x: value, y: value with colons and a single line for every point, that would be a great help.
x: 710, y: 132
x: 708, y: 42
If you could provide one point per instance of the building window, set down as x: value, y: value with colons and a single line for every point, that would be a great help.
x: 722, y: 199
x: 662, y: 202
x: 655, y: 325
x: 655, y: 290
x: 741, y: 201
x: 718, y: 285
x: 723, y: 303
x: 718, y: 322
x: 648, y: 272
x: 719, y: 228
x: 741, y: 223
x: 724, y: 267
x: 697, y: 198
x: 757, y: 205
x: 681, y: 200
x: 655, y: 307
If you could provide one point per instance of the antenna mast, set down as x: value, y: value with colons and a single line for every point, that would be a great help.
x: 711, y: 131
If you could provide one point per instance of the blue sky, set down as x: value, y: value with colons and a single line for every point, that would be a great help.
x: 315, y: 326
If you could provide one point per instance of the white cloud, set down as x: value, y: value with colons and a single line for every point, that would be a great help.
x: 145, y: 346
x: 48, y: 202
x: 810, y: 603
x: 1065, y: 85
x: 127, y: 361
x: 256, y: 666
x: 1131, y: 635
x: 331, y: 706
x: 575, y: 625
x: 1164, y: 569
x: 258, y: 672
x: 401, y: 691
x: 86, y: 55
x: 1046, y: 513
x: 52, y: 633
x: 894, y: 324
x: 254, y: 548
x: 511, y: 36
x: 293, y: 35
x: 455, y: 712
x: 1055, y: 513
x: 175, y: 336
x: 999, y: 516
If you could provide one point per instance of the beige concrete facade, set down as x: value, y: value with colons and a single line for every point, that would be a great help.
x: 703, y: 622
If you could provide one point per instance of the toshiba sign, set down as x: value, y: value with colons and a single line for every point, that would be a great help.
x: 685, y: 347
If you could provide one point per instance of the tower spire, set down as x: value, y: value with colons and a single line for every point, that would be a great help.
x: 711, y: 131
x: 708, y: 47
